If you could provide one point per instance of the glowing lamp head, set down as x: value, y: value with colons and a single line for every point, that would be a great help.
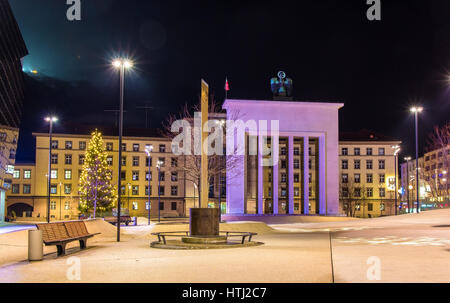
x: 148, y: 149
x: 52, y: 119
x: 416, y: 109
x: 128, y: 64
x: 117, y: 63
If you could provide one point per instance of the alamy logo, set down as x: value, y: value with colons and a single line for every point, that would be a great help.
x: 73, y: 273
x: 374, y: 270
x: 74, y: 11
x: 374, y: 12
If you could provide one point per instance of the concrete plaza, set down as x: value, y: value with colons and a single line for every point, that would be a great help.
x: 410, y: 248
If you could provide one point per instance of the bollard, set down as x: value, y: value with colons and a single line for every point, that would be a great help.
x: 35, y: 245
x: 135, y: 221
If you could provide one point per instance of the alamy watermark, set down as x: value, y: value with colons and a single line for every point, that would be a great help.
x: 73, y: 273
x: 74, y: 11
x: 374, y: 271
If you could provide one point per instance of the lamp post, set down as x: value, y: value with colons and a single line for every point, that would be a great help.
x: 129, y: 188
x: 60, y: 198
x: 148, y: 151
x: 158, y: 165
x: 222, y: 123
x: 120, y: 64
x: 407, y: 159
x: 50, y: 120
x: 195, y: 187
x: 416, y: 111
x: 396, y: 151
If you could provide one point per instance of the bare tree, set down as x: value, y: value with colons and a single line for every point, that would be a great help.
x: 352, y: 195
x: 190, y: 166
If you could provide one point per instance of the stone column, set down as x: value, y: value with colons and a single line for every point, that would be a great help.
x: 260, y: 175
x: 322, y: 176
x: 275, y: 158
x: 306, y: 175
x: 291, y: 174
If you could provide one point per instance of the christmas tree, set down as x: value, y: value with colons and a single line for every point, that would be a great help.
x: 95, y: 185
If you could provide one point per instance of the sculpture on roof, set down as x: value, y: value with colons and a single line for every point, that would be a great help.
x: 281, y: 86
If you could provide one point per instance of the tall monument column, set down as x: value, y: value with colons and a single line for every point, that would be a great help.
x: 291, y: 174
x: 305, y: 175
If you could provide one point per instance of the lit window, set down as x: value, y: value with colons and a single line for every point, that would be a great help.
x: 135, y: 147
x: 52, y: 205
x: 134, y: 206
x: 82, y: 145
x: 68, y: 174
x: 68, y: 144
x: 68, y: 159
x: 27, y: 174
x: 16, y: 174
x: 27, y: 189
x: 54, y: 174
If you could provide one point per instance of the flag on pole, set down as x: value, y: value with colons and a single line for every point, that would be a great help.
x: 227, y: 86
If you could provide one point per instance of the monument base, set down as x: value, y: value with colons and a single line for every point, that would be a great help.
x: 204, y: 222
x: 205, y: 240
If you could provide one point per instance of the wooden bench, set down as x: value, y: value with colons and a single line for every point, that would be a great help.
x: 61, y: 233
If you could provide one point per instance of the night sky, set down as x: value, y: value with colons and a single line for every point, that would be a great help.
x: 329, y: 48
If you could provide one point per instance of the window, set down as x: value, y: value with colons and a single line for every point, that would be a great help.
x: 357, y: 192
x: 146, y: 161
x: 54, y: 158
x: 310, y: 151
x: 161, y: 176
x: 369, y: 151
x: 67, y: 189
x: 381, y: 164
x: 382, y: 192
x: 161, y: 205
x: 283, y: 151
x: 135, y: 147
x: 54, y: 144
x: 269, y: 191
x: 52, y: 205
x: 357, y: 164
x: 135, y: 190
x: 345, y: 192
x: 283, y: 163
x: 123, y: 175
x: 174, y: 162
x: 344, y: 178
x: 174, y: 177
x: 68, y: 159
x: 109, y: 160
x: 269, y: 177
x: 369, y: 178
x: 296, y: 178
x: 12, y: 153
x: 162, y: 190
x: 15, y: 189
x: 310, y: 164
x: 345, y: 151
x: 174, y: 190
x: 68, y: 174
x: 370, y: 206
x: 162, y: 148
x: 124, y: 147
x: 109, y: 146
x: 296, y: 191
x: 283, y: 178
x: 82, y: 145
x: 310, y: 178
x: 173, y: 206
x: 344, y: 164
x: 122, y: 190
x: 382, y: 178
x: 124, y: 161
x: 67, y: 205
x: 162, y: 161
x: 81, y: 159
x: 283, y: 192
x: 16, y: 174
x: 147, y: 205
x: 147, y: 176
x: 296, y: 151
x: 369, y: 164
x: 369, y: 192
x: 296, y: 164
x: 135, y: 175
x: 53, y: 189
x: 146, y: 190
x: 27, y: 174
x: 357, y: 151
x: 68, y: 144
x: 135, y: 161
x: 357, y: 178
x: 381, y: 151
x: 54, y: 174
x: 134, y: 206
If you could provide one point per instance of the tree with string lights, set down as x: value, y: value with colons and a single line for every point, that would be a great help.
x: 97, y: 191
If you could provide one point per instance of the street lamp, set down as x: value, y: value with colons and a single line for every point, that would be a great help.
x: 407, y: 159
x: 50, y: 120
x: 158, y: 165
x: 60, y: 198
x: 396, y: 149
x: 416, y: 110
x: 129, y: 188
x: 120, y: 64
x: 148, y: 151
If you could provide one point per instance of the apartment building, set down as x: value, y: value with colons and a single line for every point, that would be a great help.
x: 29, y: 183
x: 367, y: 174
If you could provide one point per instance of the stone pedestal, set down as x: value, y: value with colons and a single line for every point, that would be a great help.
x: 204, y: 222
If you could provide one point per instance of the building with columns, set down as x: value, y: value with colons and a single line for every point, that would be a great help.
x: 300, y: 174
